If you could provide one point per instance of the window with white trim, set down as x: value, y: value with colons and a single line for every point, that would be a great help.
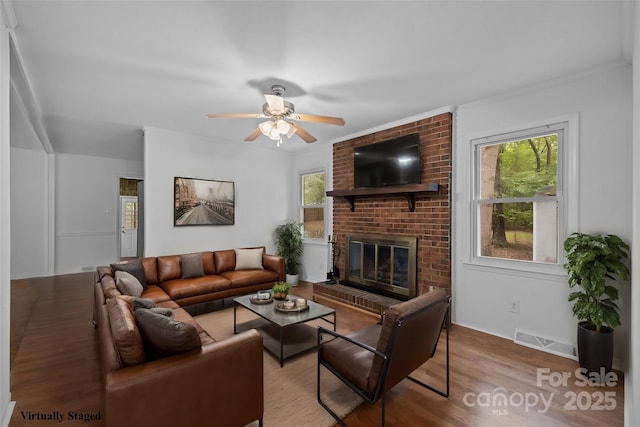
x: 518, y: 195
x: 312, y: 204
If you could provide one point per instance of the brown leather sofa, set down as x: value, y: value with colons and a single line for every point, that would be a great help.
x: 216, y: 383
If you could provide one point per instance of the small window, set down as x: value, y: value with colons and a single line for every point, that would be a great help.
x: 131, y: 215
x: 312, y: 206
x: 518, y: 195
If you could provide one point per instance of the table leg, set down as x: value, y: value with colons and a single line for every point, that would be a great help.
x: 281, y: 346
x: 235, y: 330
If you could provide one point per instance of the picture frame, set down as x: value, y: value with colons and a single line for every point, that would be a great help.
x: 203, y: 202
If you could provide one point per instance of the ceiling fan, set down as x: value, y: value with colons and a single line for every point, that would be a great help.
x: 282, y: 117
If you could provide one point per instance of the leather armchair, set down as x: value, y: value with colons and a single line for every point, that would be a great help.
x: 373, y: 360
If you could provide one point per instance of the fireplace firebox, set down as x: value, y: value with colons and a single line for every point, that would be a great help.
x: 384, y: 264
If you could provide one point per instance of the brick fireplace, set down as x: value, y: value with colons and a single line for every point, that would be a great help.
x: 424, y: 216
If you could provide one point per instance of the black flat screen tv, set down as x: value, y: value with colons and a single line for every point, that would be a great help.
x: 387, y: 163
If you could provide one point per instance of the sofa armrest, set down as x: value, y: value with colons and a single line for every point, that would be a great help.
x: 274, y: 263
x: 221, y: 384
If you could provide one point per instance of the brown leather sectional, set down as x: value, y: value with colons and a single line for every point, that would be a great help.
x: 219, y: 383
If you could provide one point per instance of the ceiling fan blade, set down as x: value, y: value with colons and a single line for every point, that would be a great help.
x: 276, y: 103
x: 303, y: 133
x: 338, y: 121
x: 253, y: 135
x: 236, y: 116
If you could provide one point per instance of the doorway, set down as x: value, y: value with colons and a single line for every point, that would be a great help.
x: 128, y: 226
x: 129, y: 221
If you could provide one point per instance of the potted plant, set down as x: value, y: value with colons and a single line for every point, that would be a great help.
x: 591, y: 260
x: 289, y: 242
x: 280, y: 290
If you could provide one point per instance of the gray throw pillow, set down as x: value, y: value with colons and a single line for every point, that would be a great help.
x: 133, y: 267
x: 164, y: 336
x: 192, y: 265
x: 127, y: 284
x: 137, y: 303
x: 163, y: 311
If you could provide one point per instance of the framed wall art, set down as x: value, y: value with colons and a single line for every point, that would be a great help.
x: 203, y: 202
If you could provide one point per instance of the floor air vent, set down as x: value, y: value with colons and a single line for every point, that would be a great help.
x: 545, y: 344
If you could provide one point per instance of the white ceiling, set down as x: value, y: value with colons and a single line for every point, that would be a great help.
x: 101, y: 70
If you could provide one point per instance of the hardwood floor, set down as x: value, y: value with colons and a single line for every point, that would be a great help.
x: 55, y: 367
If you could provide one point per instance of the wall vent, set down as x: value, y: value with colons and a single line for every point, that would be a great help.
x: 545, y: 344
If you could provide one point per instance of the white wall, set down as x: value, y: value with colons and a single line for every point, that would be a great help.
x: 29, y: 213
x: 632, y: 378
x: 87, y: 210
x: 315, y: 254
x: 602, y: 99
x: 6, y: 406
x: 263, y: 189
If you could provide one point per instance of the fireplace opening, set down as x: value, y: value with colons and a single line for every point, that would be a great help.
x: 384, y: 264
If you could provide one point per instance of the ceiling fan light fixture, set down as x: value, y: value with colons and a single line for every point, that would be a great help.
x: 266, y: 127
x: 277, y: 111
x: 283, y: 127
x: 274, y: 133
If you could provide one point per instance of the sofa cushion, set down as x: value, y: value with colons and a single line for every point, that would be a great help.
x: 168, y: 268
x: 243, y: 278
x: 184, y: 288
x: 249, y: 259
x: 128, y: 284
x: 155, y: 294
x: 225, y: 260
x: 164, y: 336
x: 109, y: 287
x: 150, y: 267
x: 133, y: 267
x: 208, y: 263
x: 191, y: 265
x: 124, y: 330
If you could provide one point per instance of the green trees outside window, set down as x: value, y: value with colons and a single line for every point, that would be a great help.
x: 312, y: 209
x: 518, y: 199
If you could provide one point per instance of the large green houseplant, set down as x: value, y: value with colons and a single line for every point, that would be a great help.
x: 593, y: 261
x: 290, y: 243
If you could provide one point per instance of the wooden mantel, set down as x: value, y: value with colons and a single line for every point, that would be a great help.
x: 409, y: 191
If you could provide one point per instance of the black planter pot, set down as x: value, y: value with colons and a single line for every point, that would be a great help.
x: 595, y: 349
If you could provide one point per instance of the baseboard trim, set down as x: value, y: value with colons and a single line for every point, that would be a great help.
x: 8, y: 411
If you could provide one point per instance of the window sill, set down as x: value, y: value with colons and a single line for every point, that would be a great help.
x: 317, y: 242
x: 551, y: 272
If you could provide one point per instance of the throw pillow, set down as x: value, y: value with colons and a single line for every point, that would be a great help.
x: 249, y: 259
x: 137, y: 303
x: 162, y: 311
x: 126, y: 335
x: 192, y: 265
x: 127, y: 284
x: 164, y: 336
x: 133, y: 267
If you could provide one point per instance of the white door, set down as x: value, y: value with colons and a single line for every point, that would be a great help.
x: 128, y: 226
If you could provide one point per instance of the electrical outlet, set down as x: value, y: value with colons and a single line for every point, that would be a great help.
x: 514, y: 306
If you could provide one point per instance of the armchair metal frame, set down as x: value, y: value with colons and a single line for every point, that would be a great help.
x: 379, y: 392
